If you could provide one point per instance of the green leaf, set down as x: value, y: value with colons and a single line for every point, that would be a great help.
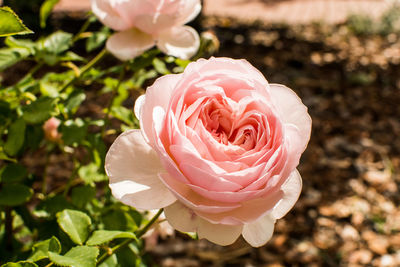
x: 52, y: 205
x: 119, y: 220
x: 96, y: 40
x: 74, y: 101
x: 10, y: 56
x: 128, y: 256
x: 160, y: 66
x: 57, y: 42
x: 123, y: 114
x: 40, y: 110
x: 181, y: 62
x: 71, y: 56
x: 15, y: 137
x: 75, y: 224
x: 15, y: 194
x: 11, y: 24
x: 48, y: 89
x: 104, y: 236
x: 145, y: 60
x: 21, y: 43
x: 192, y: 235
x: 19, y: 264
x: 111, y: 261
x: 41, y: 249
x: 13, y: 173
x: 33, y: 137
x: 45, y: 11
x: 74, y: 131
x: 81, y: 256
x: 3, y: 156
x: 82, y: 195
x: 91, y: 174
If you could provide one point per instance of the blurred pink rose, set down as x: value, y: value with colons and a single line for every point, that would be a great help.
x: 50, y: 128
x: 161, y: 228
x: 141, y: 24
x: 218, y: 150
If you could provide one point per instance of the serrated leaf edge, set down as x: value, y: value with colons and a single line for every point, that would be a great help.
x: 26, y: 31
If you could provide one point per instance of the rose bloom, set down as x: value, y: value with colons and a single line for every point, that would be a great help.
x: 50, y: 128
x: 218, y: 150
x: 141, y: 24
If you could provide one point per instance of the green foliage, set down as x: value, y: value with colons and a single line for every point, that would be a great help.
x: 14, y: 194
x: 53, y: 187
x: 75, y: 224
x: 11, y: 24
x: 41, y: 249
x: 20, y: 264
x: 11, y: 56
x: 97, y: 39
x: 363, y: 25
x: 103, y: 236
x: 13, y: 172
x: 81, y: 256
x: 39, y: 110
x: 15, y: 137
x: 45, y: 11
x: 91, y: 173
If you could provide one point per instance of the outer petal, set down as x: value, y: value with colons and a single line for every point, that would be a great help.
x: 185, y: 220
x: 292, y: 110
x: 291, y: 192
x: 194, y: 201
x: 190, y: 10
x: 139, y: 105
x: 182, y: 42
x: 133, y: 167
x: 108, y: 15
x: 259, y: 232
x: 129, y: 44
x: 157, y: 95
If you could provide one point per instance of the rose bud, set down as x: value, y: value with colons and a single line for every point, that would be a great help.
x: 50, y: 128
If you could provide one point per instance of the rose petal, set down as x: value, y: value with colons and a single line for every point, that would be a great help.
x: 139, y: 105
x: 208, y: 180
x: 182, y: 42
x: 192, y: 199
x: 248, y: 212
x: 259, y: 232
x: 226, y: 197
x: 185, y: 220
x: 109, y: 16
x: 133, y: 167
x: 130, y: 10
x: 291, y: 192
x: 129, y: 44
x: 163, y: 15
x: 157, y: 95
x: 190, y: 10
x: 292, y: 110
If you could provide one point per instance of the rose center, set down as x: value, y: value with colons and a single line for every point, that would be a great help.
x: 219, y: 120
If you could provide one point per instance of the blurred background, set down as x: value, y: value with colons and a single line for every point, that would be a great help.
x: 343, y: 59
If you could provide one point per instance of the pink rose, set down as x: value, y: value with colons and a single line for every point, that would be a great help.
x: 50, y: 128
x: 141, y: 24
x: 218, y: 150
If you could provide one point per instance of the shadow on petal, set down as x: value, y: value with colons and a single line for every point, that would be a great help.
x: 126, y: 45
x: 133, y: 168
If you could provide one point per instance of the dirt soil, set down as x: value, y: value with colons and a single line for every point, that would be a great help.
x: 348, y: 213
